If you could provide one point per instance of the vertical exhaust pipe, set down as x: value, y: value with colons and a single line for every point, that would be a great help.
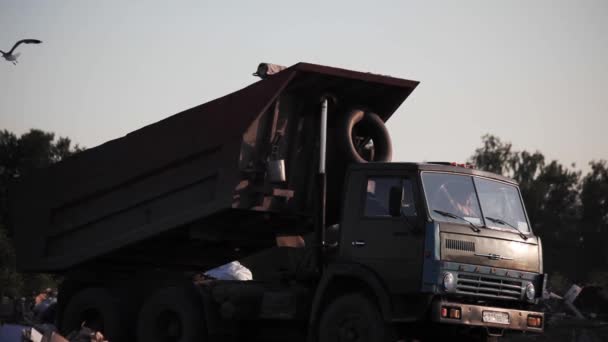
x: 323, y: 144
x: 322, y: 182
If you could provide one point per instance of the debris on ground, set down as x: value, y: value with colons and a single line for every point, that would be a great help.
x: 85, y: 334
x: 577, y: 316
x: 33, y: 320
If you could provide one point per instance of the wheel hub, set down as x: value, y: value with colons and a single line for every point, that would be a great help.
x: 169, y: 326
x: 351, y: 329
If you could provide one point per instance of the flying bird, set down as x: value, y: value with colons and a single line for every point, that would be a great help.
x: 12, y: 57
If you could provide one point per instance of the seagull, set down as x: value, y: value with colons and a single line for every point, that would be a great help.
x: 9, y: 56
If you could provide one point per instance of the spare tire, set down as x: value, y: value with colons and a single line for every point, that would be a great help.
x: 366, y: 125
x: 98, y: 310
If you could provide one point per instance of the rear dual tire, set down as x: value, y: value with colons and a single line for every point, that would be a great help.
x: 97, y: 309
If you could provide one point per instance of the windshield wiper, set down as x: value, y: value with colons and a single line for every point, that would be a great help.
x: 452, y: 215
x: 499, y: 221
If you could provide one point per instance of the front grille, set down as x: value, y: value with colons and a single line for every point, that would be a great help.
x: 484, y: 286
x: 459, y: 245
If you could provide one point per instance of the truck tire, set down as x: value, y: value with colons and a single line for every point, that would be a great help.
x: 369, y: 125
x: 353, y: 317
x: 96, y: 309
x: 489, y: 338
x: 172, y: 314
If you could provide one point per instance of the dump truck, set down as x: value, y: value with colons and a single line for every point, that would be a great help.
x: 389, y: 249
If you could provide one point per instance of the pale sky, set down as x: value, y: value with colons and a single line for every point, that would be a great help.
x: 531, y: 72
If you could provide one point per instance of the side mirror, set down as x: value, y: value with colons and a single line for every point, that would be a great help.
x: 394, y: 201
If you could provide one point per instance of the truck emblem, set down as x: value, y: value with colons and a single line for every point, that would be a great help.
x: 493, y: 256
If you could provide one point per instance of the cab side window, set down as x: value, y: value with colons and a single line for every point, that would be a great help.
x: 377, y: 196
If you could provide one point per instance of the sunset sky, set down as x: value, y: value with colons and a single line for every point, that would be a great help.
x: 531, y: 72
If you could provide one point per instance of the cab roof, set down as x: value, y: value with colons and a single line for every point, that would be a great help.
x: 395, y: 166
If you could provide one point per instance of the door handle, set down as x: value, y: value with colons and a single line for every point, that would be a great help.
x: 358, y: 243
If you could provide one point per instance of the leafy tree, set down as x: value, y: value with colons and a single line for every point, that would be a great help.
x: 526, y: 169
x: 18, y: 156
x: 551, y: 196
x: 550, y: 191
x: 558, y: 188
x: 594, y: 202
x: 594, y: 196
x: 494, y: 156
x: 11, y: 282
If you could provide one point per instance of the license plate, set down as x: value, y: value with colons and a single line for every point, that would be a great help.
x: 495, y: 317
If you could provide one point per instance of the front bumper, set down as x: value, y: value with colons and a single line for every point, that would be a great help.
x: 472, y: 315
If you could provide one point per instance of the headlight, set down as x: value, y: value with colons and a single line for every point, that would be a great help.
x: 448, y: 281
x: 530, y: 292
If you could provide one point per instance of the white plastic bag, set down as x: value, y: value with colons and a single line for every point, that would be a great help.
x: 230, y: 271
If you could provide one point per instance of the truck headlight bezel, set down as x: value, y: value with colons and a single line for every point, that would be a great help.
x: 530, y: 292
x: 449, y: 281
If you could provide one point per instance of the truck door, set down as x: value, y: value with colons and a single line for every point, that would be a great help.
x: 391, y: 246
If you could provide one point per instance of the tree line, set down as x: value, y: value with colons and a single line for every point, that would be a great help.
x: 19, y: 155
x: 567, y: 210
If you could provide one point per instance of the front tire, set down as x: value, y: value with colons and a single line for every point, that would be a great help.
x: 489, y: 338
x: 172, y: 314
x: 353, y: 318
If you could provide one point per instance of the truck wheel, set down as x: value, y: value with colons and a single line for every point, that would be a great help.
x: 96, y: 309
x: 172, y: 314
x: 353, y: 317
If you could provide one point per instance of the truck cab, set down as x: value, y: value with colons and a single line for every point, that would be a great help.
x: 447, y: 243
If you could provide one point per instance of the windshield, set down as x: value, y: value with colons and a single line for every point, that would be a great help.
x: 469, y: 197
x: 501, y: 202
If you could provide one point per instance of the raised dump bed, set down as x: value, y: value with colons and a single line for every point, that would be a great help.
x: 199, y: 187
